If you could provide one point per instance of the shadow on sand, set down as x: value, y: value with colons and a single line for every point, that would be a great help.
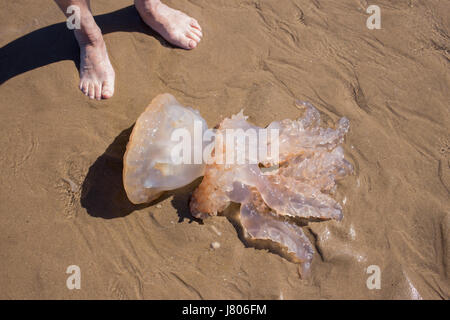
x: 57, y: 43
x: 103, y: 194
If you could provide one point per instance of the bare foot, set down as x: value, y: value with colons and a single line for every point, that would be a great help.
x: 96, y: 72
x: 173, y: 25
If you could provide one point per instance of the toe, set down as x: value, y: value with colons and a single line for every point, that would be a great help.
x: 91, y: 93
x: 98, y: 91
x: 193, y: 36
x: 194, y: 23
x: 197, y: 32
x: 85, y: 87
x: 192, y: 44
x: 107, y: 89
x: 187, y: 43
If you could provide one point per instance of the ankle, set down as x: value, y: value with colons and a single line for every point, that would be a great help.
x: 89, y: 36
x: 151, y: 6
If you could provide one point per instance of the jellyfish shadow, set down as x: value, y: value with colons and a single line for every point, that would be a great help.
x: 103, y: 194
x: 56, y: 43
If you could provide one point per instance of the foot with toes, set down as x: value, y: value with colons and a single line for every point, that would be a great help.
x: 175, y: 26
x: 96, y: 72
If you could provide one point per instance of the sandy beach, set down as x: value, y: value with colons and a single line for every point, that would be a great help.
x: 63, y: 203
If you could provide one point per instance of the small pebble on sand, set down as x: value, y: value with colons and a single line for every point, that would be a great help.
x: 215, y: 245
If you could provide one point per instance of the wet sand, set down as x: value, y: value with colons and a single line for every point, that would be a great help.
x: 62, y: 201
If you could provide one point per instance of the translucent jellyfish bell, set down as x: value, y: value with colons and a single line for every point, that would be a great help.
x: 149, y: 166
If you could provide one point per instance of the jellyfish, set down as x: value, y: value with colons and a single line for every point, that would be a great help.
x: 278, y: 192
